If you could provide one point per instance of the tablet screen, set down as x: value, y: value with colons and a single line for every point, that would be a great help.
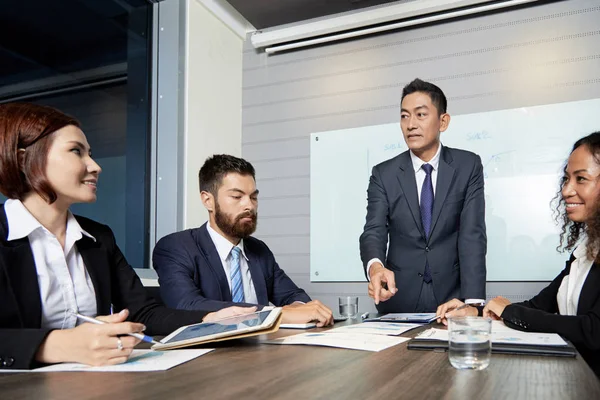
x: 224, y: 325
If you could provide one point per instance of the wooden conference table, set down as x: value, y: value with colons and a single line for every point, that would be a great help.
x: 246, y: 369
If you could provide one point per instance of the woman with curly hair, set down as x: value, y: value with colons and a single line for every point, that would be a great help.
x: 570, y: 305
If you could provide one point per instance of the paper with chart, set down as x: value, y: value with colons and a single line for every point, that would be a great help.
x: 522, y: 151
x: 140, y: 361
x: 503, y: 334
x: 354, y: 341
x: 376, y: 328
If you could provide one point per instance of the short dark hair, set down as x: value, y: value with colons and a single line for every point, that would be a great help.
x: 216, y: 167
x: 30, y: 127
x: 438, y: 98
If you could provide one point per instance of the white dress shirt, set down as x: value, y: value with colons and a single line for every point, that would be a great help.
x: 224, y: 248
x: 571, y: 285
x: 65, y: 285
x: 420, y: 175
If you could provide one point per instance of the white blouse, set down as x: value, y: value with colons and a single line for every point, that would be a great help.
x: 65, y: 285
x: 571, y: 285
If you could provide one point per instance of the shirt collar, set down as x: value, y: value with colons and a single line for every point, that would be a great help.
x: 223, y: 245
x: 434, y: 162
x: 580, y: 251
x: 21, y: 223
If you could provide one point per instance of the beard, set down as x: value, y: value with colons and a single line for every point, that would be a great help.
x: 233, y: 226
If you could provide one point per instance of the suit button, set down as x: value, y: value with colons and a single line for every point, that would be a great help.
x: 427, y: 248
x: 8, y: 362
x: 420, y: 275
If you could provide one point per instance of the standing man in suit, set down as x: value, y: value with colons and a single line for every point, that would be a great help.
x: 219, y: 264
x: 429, y: 201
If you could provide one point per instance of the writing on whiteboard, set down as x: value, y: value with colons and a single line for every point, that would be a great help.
x: 394, y: 146
x: 482, y: 135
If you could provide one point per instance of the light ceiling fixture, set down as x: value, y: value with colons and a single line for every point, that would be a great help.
x: 366, y: 22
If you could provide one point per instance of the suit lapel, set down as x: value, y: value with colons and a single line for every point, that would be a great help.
x: 408, y: 183
x: 589, y: 291
x: 19, y: 264
x: 445, y: 177
x: 258, y: 279
x: 94, y: 259
x: 209, y: 251
x: 17, y: 258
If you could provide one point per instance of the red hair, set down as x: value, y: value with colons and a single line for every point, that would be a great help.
x: 28, y: 127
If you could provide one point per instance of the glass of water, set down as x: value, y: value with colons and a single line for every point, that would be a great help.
x: 348, y: 306
x: 469, y: 342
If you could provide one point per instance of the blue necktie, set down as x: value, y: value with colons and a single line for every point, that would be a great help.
x: 426, y: 211
x: 237, y: 288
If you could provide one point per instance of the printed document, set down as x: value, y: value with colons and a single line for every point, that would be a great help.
x: 140, y: 361
x: 376, y: 328
x: 354, y: 341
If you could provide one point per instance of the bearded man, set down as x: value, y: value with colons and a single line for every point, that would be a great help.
x: 219, y: 264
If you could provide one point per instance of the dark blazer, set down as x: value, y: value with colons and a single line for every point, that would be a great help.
x: 191, y: 275
x: 540, y: 314
x: 457, y: 242
x: 115, y: 282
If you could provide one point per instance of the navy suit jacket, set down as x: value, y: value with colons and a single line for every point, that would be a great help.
x: 115, y: 282
x: 540, y: 314
x: 457, y: 241
x: 192, y: 277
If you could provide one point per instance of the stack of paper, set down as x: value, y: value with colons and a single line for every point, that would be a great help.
x: 374, y: 336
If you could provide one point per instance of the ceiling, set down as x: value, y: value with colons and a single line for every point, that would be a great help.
x: 268, y: 13
x: 41, y: 39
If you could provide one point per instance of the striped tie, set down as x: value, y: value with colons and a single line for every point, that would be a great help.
x: 237, y: 288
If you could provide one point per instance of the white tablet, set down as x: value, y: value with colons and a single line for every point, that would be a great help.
x: 228, y: 327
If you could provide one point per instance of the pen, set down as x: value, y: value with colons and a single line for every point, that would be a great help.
x: 141, y: 336
x: 465, y: 306
x: 364, y: 316
x: 456, y: 309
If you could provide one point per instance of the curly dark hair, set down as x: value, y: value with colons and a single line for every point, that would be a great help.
x: 572, y: 231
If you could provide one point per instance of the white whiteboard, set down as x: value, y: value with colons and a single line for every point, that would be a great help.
x: 522, y: 150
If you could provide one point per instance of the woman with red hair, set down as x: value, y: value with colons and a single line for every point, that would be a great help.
x: 53, y: 264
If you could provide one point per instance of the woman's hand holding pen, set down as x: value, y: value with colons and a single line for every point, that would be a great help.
x: 92, y: 344
x: 454, y: 308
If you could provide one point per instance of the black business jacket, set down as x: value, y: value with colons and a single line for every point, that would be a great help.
x: 115, y: 282
x: 540, y: 314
